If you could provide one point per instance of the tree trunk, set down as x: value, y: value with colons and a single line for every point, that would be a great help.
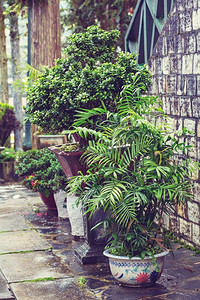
x: 4, y: 98
x: 45, y: 32
x: 45, y: 39
x: 15, y: 60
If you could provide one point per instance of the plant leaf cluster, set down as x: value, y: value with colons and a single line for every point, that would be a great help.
x: 41, y: 171
x: 92, y: 72
x: 132, y: 172
x: 8, y: 154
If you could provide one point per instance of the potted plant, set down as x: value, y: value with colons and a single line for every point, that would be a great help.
x: 134, y: 176
x: 56, y: 94
x: 42, y: 173
x: 92, y: 72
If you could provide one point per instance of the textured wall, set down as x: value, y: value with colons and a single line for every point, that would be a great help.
x: 175, y: 65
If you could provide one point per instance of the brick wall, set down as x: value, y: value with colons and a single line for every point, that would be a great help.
x: 175, y: 65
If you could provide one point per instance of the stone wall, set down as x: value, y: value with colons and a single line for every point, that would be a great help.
x: 175, y: 65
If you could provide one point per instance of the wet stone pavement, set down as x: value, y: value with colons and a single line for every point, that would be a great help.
x: 37, y: 259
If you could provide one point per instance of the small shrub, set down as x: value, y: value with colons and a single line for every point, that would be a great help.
x: 42, y: 171
x: 8, y: 154
x: 92, y: 72
x: 8, y: 122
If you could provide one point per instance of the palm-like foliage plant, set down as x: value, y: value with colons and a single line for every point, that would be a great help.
x: 132, y: 173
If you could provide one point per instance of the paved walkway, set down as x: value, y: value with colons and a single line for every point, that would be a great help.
x: 37, y: 260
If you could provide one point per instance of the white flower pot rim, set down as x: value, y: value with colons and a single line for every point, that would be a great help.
x: 109, y: 255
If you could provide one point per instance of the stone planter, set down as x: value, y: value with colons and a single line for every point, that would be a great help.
x: 135, y: 272
x: 7, y: 171
x: 44, y: 141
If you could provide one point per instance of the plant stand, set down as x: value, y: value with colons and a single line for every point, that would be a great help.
x: 75, y: 217
x: 91, y: 250
x: 87, y: 254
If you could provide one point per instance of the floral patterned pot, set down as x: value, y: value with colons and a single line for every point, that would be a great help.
x: 134, y: 271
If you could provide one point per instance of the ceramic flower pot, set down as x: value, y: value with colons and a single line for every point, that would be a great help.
x: 135, y: 272
x: 49, y: 201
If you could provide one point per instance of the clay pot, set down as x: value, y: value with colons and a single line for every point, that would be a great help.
x: 49, y: 201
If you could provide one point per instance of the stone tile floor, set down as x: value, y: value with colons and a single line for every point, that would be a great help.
x: 37, y: 259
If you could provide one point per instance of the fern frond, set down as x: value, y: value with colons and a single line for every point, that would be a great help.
x: 84, y: 115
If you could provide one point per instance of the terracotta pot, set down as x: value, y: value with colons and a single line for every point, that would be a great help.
x: 135, y: 272
x: 49, y: 201
x: 70, y: 161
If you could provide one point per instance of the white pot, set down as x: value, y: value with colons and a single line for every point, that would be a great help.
x: 61, y: 203
x: 134, y: 271
x: 75, y: 217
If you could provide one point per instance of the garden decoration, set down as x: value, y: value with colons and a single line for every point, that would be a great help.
x: 69, y: 157
x: 133, y: 175
x: 42, y: 173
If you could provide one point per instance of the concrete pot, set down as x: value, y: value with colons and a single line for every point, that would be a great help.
x: 135, y: 272
x: 61, y: 203
x: 75, y: 217
x: 7, y: 171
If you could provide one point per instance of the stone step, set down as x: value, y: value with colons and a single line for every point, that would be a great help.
x: 5, y: 293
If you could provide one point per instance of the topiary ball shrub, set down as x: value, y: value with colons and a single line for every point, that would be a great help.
x: 92, y: 73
